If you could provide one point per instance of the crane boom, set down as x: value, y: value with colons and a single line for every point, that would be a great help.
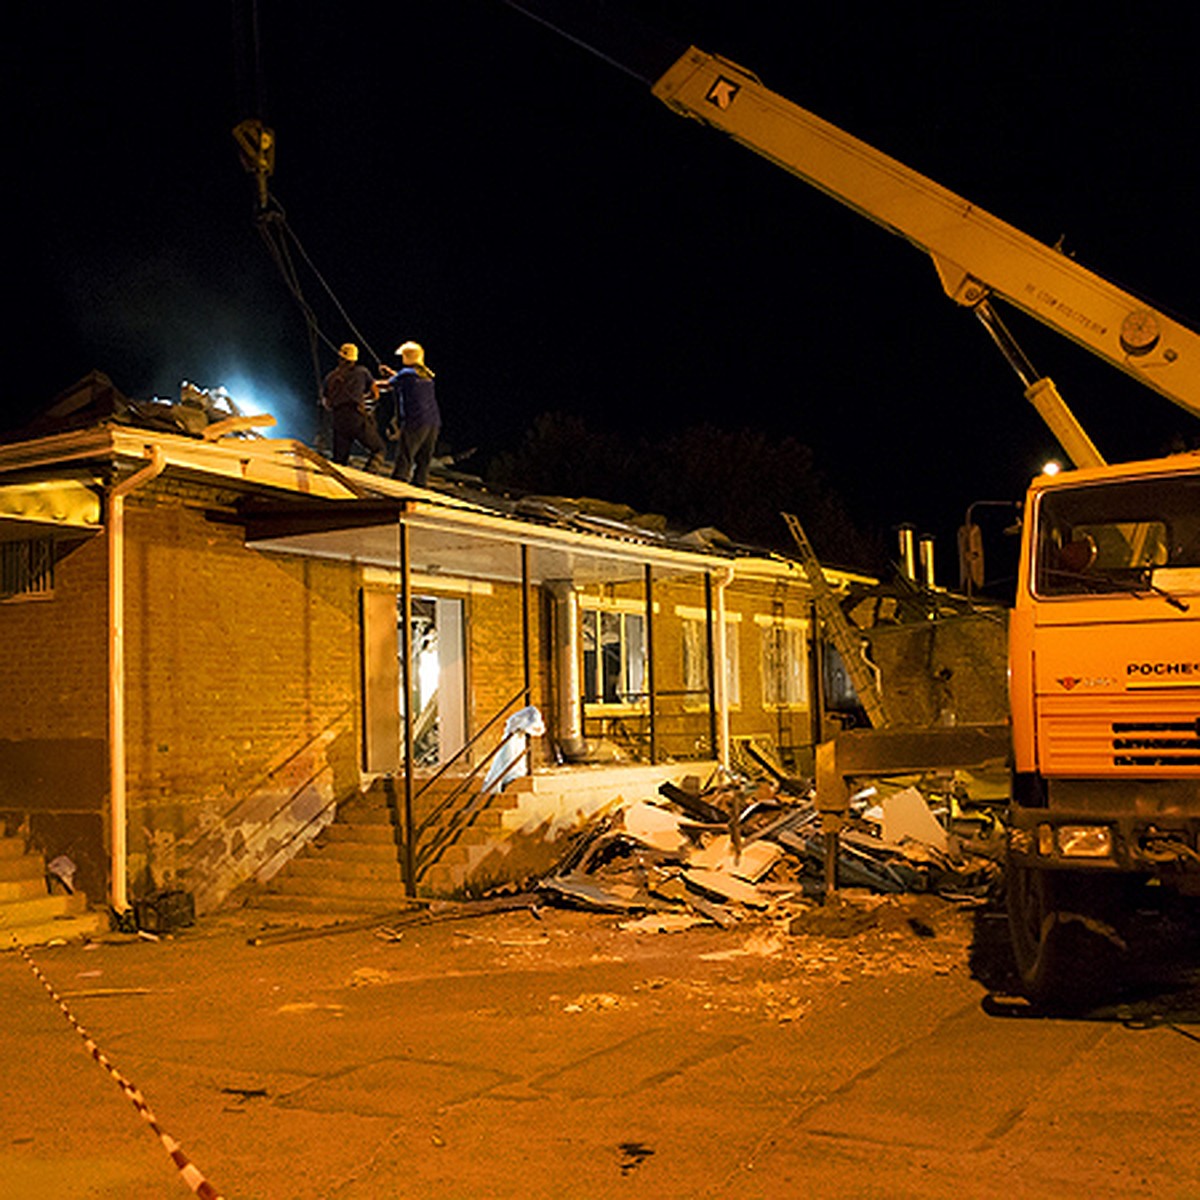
x: 976, y: 254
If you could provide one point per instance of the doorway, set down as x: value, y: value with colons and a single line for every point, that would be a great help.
x: 438, y: 678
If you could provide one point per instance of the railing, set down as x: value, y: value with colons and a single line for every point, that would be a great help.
x: 677, y: 733
x: 208, y: 850
x: 459, y: 807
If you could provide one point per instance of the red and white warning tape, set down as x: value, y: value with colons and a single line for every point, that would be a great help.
x: 191, y: 1174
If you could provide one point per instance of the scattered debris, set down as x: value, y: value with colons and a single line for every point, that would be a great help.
x: 906, y: 815
x: 756, y: 847
x: 663, y: 922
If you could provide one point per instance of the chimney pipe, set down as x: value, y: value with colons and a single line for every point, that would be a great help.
x: 926, y: 557
x: 908, y: 557
x: 569, y: 701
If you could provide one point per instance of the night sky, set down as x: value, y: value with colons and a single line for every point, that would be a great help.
x: 559, y: 240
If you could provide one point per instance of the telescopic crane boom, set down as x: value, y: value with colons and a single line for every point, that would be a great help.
x: 976, y: 255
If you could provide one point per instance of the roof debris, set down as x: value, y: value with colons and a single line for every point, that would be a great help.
x: 755, y: 848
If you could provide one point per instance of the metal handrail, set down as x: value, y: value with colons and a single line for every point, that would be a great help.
x: 634, y: 726
x: 462, y: 785
x: 429, y: 853
x: 469, y: 744
x: 445, y: 834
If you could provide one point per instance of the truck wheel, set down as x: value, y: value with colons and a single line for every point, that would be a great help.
x: 1062, y: 937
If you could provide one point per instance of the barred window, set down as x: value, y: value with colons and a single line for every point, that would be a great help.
x: 695, y: 659
x: 27, y: 568
x: 784, y: 666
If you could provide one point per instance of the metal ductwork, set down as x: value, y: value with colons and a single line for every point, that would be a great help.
x: 568, y: 704
x: 925, y: 555
x: 908, y: 552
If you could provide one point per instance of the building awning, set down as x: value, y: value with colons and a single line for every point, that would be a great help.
x: 37, y: 508
x: 462, y: 543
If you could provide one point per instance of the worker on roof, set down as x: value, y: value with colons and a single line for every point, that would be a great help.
x: 348, y: 393
x: 418, y: 419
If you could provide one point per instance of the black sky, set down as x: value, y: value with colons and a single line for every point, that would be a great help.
x: 558, y: 240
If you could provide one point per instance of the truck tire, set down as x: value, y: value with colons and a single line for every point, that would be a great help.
x: 1063, y: 938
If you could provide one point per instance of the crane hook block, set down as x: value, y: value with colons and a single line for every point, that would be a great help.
x: 256, y: 144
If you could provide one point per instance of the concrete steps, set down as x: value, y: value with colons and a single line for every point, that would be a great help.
x: 355, y: 863
x: 352, y: 866
x: 29, y: 914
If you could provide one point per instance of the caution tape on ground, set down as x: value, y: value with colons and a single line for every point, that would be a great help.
x: 187, y: 1169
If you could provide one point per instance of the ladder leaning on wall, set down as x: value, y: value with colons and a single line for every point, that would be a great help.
x: 850, y: 645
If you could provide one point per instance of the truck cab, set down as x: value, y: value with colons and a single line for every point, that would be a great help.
x: 1104, y: 662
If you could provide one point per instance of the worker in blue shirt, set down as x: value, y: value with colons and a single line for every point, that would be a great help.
x: 418, y: 419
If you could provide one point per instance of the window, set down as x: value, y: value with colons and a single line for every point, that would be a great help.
x: 1119, y: 536
x: 27, y: 568
x: 784, y: 665
x: 695, y: 660
x: 614, y: 656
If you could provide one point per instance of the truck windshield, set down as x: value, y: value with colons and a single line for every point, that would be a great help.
x: 1122, y: 536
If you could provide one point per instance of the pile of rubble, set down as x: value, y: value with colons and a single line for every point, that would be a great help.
x: 726, y: 852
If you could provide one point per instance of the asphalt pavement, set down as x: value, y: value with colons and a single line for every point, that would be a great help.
x: 558, y: 1055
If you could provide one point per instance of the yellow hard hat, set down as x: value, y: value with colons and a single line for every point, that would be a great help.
x: 412, y: 354
x: 349, y: 352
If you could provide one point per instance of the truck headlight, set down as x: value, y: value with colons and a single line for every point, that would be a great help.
x: 1085, y: 841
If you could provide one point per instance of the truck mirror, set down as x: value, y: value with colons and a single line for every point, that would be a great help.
x: 970, y: 557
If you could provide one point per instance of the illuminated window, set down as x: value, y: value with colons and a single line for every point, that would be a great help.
x: 784, y: 665
x: 27, y: 569
x: 695, y: 659
x: 614, y: 656
x: 1118, y: 536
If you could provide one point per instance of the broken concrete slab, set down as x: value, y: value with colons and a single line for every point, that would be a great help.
x: 653, y: 826
x: 752, y: 863
x: 907, y: 815
x: 726, y: 887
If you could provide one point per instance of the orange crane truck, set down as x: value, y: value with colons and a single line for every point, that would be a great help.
x: 1104, y: 644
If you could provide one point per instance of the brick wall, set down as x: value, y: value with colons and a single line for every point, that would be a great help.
x: 239, y: 664
x: 495, y: 664
x: 242, y: 699
x: 54, y: 719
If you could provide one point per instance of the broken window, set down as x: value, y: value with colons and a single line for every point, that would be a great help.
x: 784, y: 665
x: 437, y: 677
x: 27, y: 568
x: 614, y: 656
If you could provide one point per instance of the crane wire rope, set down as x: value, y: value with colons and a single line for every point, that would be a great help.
x: 257, y: 145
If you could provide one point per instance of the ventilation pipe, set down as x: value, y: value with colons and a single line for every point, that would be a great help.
x: 567, y: 672
x: 119, y: 875
x: 908, y: 556
x: 925, y: 552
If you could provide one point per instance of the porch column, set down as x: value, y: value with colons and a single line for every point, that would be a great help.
x: 526, y: 656
x: 410, y: 882
x: 722, y: 669
x: 712, y: 673
x: 650, y: 662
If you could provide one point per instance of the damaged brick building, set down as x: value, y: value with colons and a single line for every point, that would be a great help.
x: 205, y: 659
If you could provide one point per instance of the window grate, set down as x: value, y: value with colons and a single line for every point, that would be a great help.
x: 27, y: 568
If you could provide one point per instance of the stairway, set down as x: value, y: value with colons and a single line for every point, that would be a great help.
x: 355, y: 863
x: 28, y: 912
